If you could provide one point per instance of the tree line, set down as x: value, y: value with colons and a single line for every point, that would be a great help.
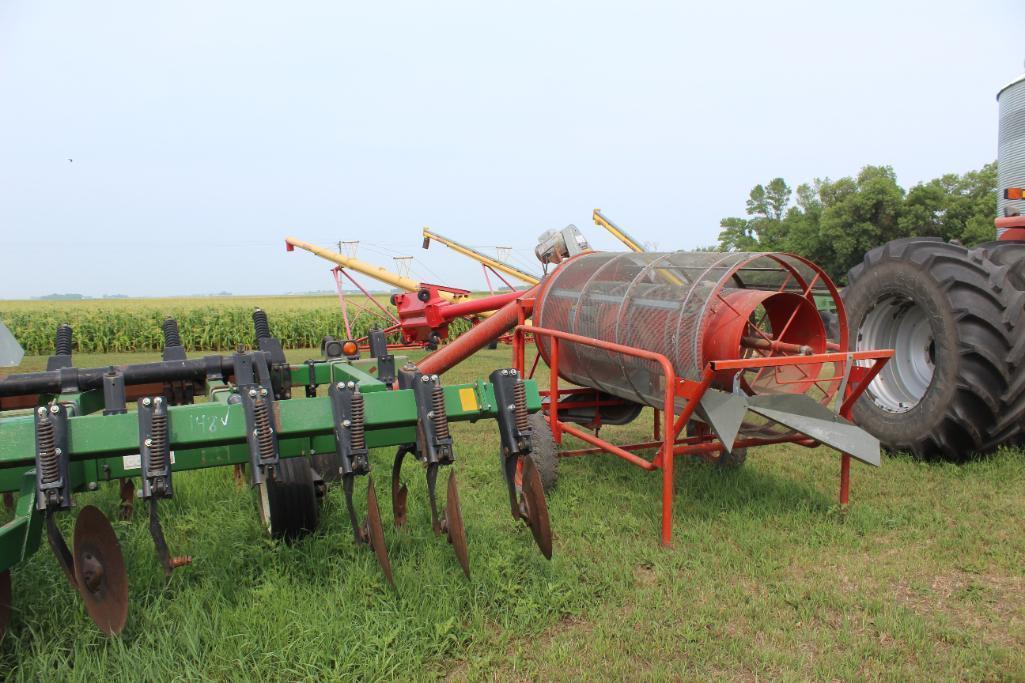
x: 834, y: 222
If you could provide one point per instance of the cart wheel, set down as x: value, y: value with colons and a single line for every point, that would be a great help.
x: 546, y: 453
x: 289, y: 505
x: 328, y: 466
x: 734, y: 459
x: 731, y: 460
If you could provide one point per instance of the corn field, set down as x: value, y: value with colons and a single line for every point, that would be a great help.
x: 206, y: 323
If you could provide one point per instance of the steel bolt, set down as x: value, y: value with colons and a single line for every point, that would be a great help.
x: 147, y: 401
x: 41, y: 411
x: 158, y: 400
x: 148, y: 442
x: 430, y: 414
x: 252, y: 393
x: 340, y: 385
x: 425, y: 379
x: 434, y: 378
x: 263, y: 392
x: 351, y: 385
x: 505, y: 372
x: 58, y: 451
x: 346, y: 423
x: 513, y: 372
x: 92, y: 486
x: 54, y: 409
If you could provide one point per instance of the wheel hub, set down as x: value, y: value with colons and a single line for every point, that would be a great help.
x: 900, y: 324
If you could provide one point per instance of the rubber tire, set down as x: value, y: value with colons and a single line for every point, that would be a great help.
x: 545, y: 453
x: 1011, y: 256
x: 831, y: 323
x: 964, y: 297
x: 732, y: 460
x: 293, y: 499
x: 327, y: 465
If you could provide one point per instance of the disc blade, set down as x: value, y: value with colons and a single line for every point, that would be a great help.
x: 376, y: 530
x: 454, y: 524
x: 100, y: 571
x: 537, y: 508
x: 5, y: 601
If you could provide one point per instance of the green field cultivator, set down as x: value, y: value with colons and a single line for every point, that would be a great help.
x: 65, y: 431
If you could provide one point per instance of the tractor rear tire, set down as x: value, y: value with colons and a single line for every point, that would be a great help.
x: 944, y: 310
x: 545, y: 453
x: 1011, y: 256
x: 292, y: 500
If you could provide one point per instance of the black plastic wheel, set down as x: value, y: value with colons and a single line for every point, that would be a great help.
x: 944, y: 309
x: 545, y: 453
x: 292, y: 507
x: 735, y: 458
x: 327, y: 466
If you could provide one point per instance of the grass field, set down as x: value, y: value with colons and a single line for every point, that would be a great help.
x: 921, y: 578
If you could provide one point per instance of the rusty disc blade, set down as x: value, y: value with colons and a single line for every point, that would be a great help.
x: 537, y: 508
x: 100, y: 571
x: 454, y: 524
x: 5, y: 601
x: 376, y: 533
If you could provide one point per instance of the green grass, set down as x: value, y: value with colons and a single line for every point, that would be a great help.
x: 921, y: 578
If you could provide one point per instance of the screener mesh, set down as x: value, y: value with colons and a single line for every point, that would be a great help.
x: 652, y: 301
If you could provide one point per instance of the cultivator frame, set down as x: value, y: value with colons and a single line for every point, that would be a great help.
x: 80, y: 433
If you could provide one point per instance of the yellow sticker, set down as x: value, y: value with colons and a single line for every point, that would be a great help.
x: 468, y: 399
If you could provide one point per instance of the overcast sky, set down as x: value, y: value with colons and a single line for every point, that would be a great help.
x: 202, y: 133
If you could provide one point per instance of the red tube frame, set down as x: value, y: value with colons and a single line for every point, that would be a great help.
x: 667, y: 438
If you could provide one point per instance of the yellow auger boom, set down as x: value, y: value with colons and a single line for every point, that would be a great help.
x: 617, y: 232
x: 369, y: 269
x: 477, y: 256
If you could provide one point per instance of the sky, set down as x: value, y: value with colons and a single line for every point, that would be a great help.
x: 160, y: 149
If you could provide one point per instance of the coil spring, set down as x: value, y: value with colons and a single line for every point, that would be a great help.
x: 158, y: 450
x: 62, y: 342
x: 260, y: 324
x: 520, y: 401
x: 264, y: 435
x: 47, y: 440
x: 358, y: 429
x: 440, y: 416
x: 172, y: 337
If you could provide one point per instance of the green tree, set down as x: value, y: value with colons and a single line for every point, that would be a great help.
x: 954, y: 207
x: 767, y: 204
x: 834, y: 223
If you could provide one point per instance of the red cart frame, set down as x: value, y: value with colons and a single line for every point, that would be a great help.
x: 667, y: 440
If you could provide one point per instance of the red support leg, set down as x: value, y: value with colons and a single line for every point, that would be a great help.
x: 667, y: 491
x: 553, y: 392
x: 845, y: 478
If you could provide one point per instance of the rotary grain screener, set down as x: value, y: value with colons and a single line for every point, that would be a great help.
x: 728, y: 349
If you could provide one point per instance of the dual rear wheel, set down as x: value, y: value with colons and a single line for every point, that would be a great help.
x: 954, y: 318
